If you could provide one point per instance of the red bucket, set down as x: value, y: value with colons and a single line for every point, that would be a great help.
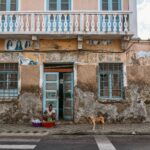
x: 48, y: 124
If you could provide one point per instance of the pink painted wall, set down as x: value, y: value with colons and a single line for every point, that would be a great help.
x: 85, y: 4
x: 38, y: 5
x: 126, y: 5
x: 32, y: 5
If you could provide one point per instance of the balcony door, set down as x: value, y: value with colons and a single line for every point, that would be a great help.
x: 58, y: 5
x: 110, y: 5
x: 62, y: 20
x: 8, y: 5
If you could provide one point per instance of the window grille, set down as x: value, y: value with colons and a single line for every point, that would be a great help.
x: 8, y: 5
x: 64, y: 5
x: 8, y: 80
x: 2, y: 5
x: 59, y: 4
x: 110, y: 4
x: 53, y: 5
x: 105, y: 5
x: 13, y: 5
x: 111, y: 80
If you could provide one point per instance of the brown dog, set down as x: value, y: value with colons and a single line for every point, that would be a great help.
x: 94, y: 120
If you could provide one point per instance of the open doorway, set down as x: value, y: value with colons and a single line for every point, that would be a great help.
x: 58, y: 89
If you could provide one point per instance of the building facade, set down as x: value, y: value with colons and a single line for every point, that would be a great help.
x: 78, y: 55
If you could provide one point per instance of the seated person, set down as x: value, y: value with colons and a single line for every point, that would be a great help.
x: 49, y: 113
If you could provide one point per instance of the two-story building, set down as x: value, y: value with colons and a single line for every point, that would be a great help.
x: 75, y: 54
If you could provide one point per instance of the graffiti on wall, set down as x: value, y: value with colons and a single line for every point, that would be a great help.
x: 142, y: 54
x: 139, y: 58
x: 143, y: 57
x: 17, y: 45
x: 26, y: 61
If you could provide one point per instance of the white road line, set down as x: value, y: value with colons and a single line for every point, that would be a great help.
x: 18, y: 140
x: 17, y: 147
x: 103, y: 143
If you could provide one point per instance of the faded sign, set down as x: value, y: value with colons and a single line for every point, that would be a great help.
x: 17, y: 45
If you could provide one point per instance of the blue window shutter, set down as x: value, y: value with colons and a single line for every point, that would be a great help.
x: 109, y: 4
x: 69, y: 1
x: 17, y: 5
x: 47, y: 4
x: 58, y: 4
x: 7, y: 5
x: 119, y: 4
x: 100, y: 4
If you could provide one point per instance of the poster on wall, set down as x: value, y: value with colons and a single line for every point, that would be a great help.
x: 17, y: 45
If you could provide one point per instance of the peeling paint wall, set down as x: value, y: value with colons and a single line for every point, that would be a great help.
x: 135, y: 107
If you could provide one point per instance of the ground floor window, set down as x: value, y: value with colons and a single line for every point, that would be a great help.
x: 111, y: 80
x: 8, y: 80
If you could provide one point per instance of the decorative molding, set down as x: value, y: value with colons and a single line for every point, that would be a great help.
x: 99, y: 42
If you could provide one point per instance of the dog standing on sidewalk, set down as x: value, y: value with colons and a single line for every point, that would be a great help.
x: 96, y: 120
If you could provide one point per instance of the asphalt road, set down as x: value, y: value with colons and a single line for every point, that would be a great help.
x: 136, y: 142
x: 80, y: 142
x: 68, y: 143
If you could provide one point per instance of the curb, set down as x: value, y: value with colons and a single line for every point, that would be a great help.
x: 40, y: 134
x: 24, y: 134
x: 101, y: 133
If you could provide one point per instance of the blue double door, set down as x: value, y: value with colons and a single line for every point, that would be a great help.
x: 58, y: 91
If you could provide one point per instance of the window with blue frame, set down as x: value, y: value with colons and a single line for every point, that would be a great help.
x: 111, y: 81
x: 8, y: 80
x: 8, y: 5
x: 110, y: 5
x: 58, y: 5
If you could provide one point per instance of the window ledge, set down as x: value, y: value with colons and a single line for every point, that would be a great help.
x: 7, y: 100
x: 110, y: 101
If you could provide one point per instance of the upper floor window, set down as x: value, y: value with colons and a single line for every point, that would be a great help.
x: 111, y: 80
x: 8, y: 5
x: 58, y: 4
x: 110, y: 4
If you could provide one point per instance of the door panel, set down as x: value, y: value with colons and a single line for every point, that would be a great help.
x: 51, y: 86
x: 68, y: 96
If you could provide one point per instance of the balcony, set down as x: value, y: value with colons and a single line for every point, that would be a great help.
x: 65, y: 23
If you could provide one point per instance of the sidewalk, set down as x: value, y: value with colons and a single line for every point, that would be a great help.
x: 76, y: 129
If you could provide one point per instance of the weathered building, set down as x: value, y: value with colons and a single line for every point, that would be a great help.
x: 78, y: 55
